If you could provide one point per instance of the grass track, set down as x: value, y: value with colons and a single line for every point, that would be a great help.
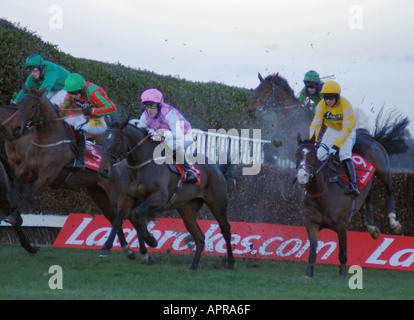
x: 86, y: 277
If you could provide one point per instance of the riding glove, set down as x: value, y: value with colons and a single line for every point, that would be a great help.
x: 158, y: 135
x: 333, y: 150
x: 87, y: 111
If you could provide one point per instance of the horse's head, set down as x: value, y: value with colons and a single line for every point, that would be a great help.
x: 29, y: 111
x: 306, y: 160
x: 272, y: 92
x: 113, y: 147
x: 119, y: 141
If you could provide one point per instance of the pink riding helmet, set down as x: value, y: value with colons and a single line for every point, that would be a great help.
x: 152, y: 96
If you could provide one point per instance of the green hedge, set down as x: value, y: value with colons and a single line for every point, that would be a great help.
x: 206, y: 105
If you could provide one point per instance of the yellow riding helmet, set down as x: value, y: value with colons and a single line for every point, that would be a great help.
x: 331, y: 87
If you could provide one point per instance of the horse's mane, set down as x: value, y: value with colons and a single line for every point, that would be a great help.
x: 281, y: 82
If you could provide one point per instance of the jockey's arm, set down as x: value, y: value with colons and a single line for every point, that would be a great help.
x: 30, y: 82
x: 317, y: 121
x: 175, y: 125
x: 101, y: 105
x: 49, y: 82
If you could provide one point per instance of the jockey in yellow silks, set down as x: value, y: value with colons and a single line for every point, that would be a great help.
x: 337, y: 114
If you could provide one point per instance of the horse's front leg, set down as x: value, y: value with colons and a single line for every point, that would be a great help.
x: 116, y: 225
x: 313, y: 234
x: 27, y: 191
x: 342, y: 240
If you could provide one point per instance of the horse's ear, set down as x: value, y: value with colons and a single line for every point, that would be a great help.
x: 25, y: 90
x: 41, y: 92
x: 260, y: 77
x: 299, y: 138
x: 124, y: 123
x: 313, y: 139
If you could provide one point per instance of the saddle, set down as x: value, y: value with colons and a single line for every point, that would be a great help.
x: 364, y: 170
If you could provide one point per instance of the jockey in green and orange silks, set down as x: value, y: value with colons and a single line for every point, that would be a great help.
x: 94, y: 103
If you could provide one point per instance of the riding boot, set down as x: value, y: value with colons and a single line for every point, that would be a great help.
x: 350, y: 170
x: 191, y: 176
x: 80, y: 156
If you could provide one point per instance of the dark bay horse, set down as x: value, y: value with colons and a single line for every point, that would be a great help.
x: 326, y: 205
x: 280, y: 114
x: 48, y: 160
x: 153, y: 187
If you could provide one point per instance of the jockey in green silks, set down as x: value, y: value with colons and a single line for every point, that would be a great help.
x: 45, y: 74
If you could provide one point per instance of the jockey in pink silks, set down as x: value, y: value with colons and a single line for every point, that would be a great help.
x: 166, y: 123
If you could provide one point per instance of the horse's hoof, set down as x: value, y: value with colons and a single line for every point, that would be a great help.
x: 147, y: 259
x: 131, y: 255
x: 33, y: 250
x: 342, y: 271
x: 11, y: 220
x: 104, y: 253
x: 373, y: 231
x: 398, y: 229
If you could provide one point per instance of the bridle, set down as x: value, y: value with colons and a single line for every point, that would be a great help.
x: 271, y: 101
x: 318, y: 166
x: 36, y: 118
x: 126, y: 150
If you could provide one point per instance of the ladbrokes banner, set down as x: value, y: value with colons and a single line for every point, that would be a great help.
x: 250, y: 240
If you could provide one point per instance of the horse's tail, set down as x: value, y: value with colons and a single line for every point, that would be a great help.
x: 391, y: 133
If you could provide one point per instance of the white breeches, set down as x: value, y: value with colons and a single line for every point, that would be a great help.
x: 93, y: 126
x: 56, y: 97
x: 329, y: 138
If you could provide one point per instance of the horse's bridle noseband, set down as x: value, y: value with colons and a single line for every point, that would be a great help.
x: 36, y: 118
x: 266, y: 104
x: 314, y: 172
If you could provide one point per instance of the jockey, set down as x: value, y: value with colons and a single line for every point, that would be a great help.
x: 338, y: 115
x: 45, y: 74
x: 166, y: 123
x: 312, y: 89
x: 94, y: 103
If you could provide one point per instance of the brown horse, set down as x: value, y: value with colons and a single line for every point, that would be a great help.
x: 48, y: 162
x: 326, y: 206
x: 280, y: 113
x: 153, y: 187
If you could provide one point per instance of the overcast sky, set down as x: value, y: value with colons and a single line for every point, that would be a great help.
x: 367, y: 45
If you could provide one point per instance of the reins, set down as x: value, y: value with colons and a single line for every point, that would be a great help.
x: 127, y: 153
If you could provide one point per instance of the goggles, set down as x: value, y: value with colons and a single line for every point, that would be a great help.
x: 329, y: 97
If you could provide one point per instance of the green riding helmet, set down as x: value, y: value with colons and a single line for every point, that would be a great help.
x: 34, y: 60
x: 74, y: 83
x: 312, y: 76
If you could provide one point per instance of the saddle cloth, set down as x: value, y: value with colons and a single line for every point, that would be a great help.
x: 92, y: 156
x: 364, y: 170
x: 179, y: 169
